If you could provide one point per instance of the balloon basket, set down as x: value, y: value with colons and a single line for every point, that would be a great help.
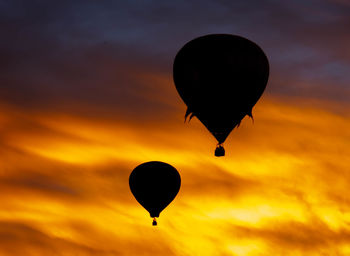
x: 154, y: 222
x: 219, y: 151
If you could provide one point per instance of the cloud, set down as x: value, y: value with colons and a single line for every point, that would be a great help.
x: 87, y: 95
x: 18, y: 238
x: 64, y: 181
x: 109, y: 57
x: 293, y: 236
x: 217, y: 181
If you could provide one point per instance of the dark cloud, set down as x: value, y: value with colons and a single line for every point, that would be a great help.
x: 298, y: 236
x: 39, y: 177
x: 217, y: 181
x: 88, y: 55
x: 51, y: 62
x: 33, y: 181
x: 18, y: 238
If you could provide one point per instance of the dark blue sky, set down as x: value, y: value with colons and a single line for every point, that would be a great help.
x: 81, y: 53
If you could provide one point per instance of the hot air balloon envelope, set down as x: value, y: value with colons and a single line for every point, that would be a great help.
x: 220, y: 78
x: 154, y: 185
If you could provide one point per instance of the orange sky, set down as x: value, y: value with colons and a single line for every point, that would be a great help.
x: 86, y: 95
x: 282, y: 189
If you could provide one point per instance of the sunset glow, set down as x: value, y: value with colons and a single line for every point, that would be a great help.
x: 87, y: 94
x: 282, y: 185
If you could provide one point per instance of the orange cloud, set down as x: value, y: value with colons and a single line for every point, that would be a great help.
x: 281, y: 189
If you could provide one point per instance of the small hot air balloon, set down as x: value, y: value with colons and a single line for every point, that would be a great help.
x: 220, y: 77
x: 154, y: 185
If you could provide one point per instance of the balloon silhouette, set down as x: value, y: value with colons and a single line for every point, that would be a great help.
x: 220, y: 78
x: 154, y: 185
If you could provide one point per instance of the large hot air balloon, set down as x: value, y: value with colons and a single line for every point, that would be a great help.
x: 154, y: 185
x: 220, y: 77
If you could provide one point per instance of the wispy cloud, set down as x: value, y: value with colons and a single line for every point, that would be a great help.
x: 87, y: 95
x: 281, y: 188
